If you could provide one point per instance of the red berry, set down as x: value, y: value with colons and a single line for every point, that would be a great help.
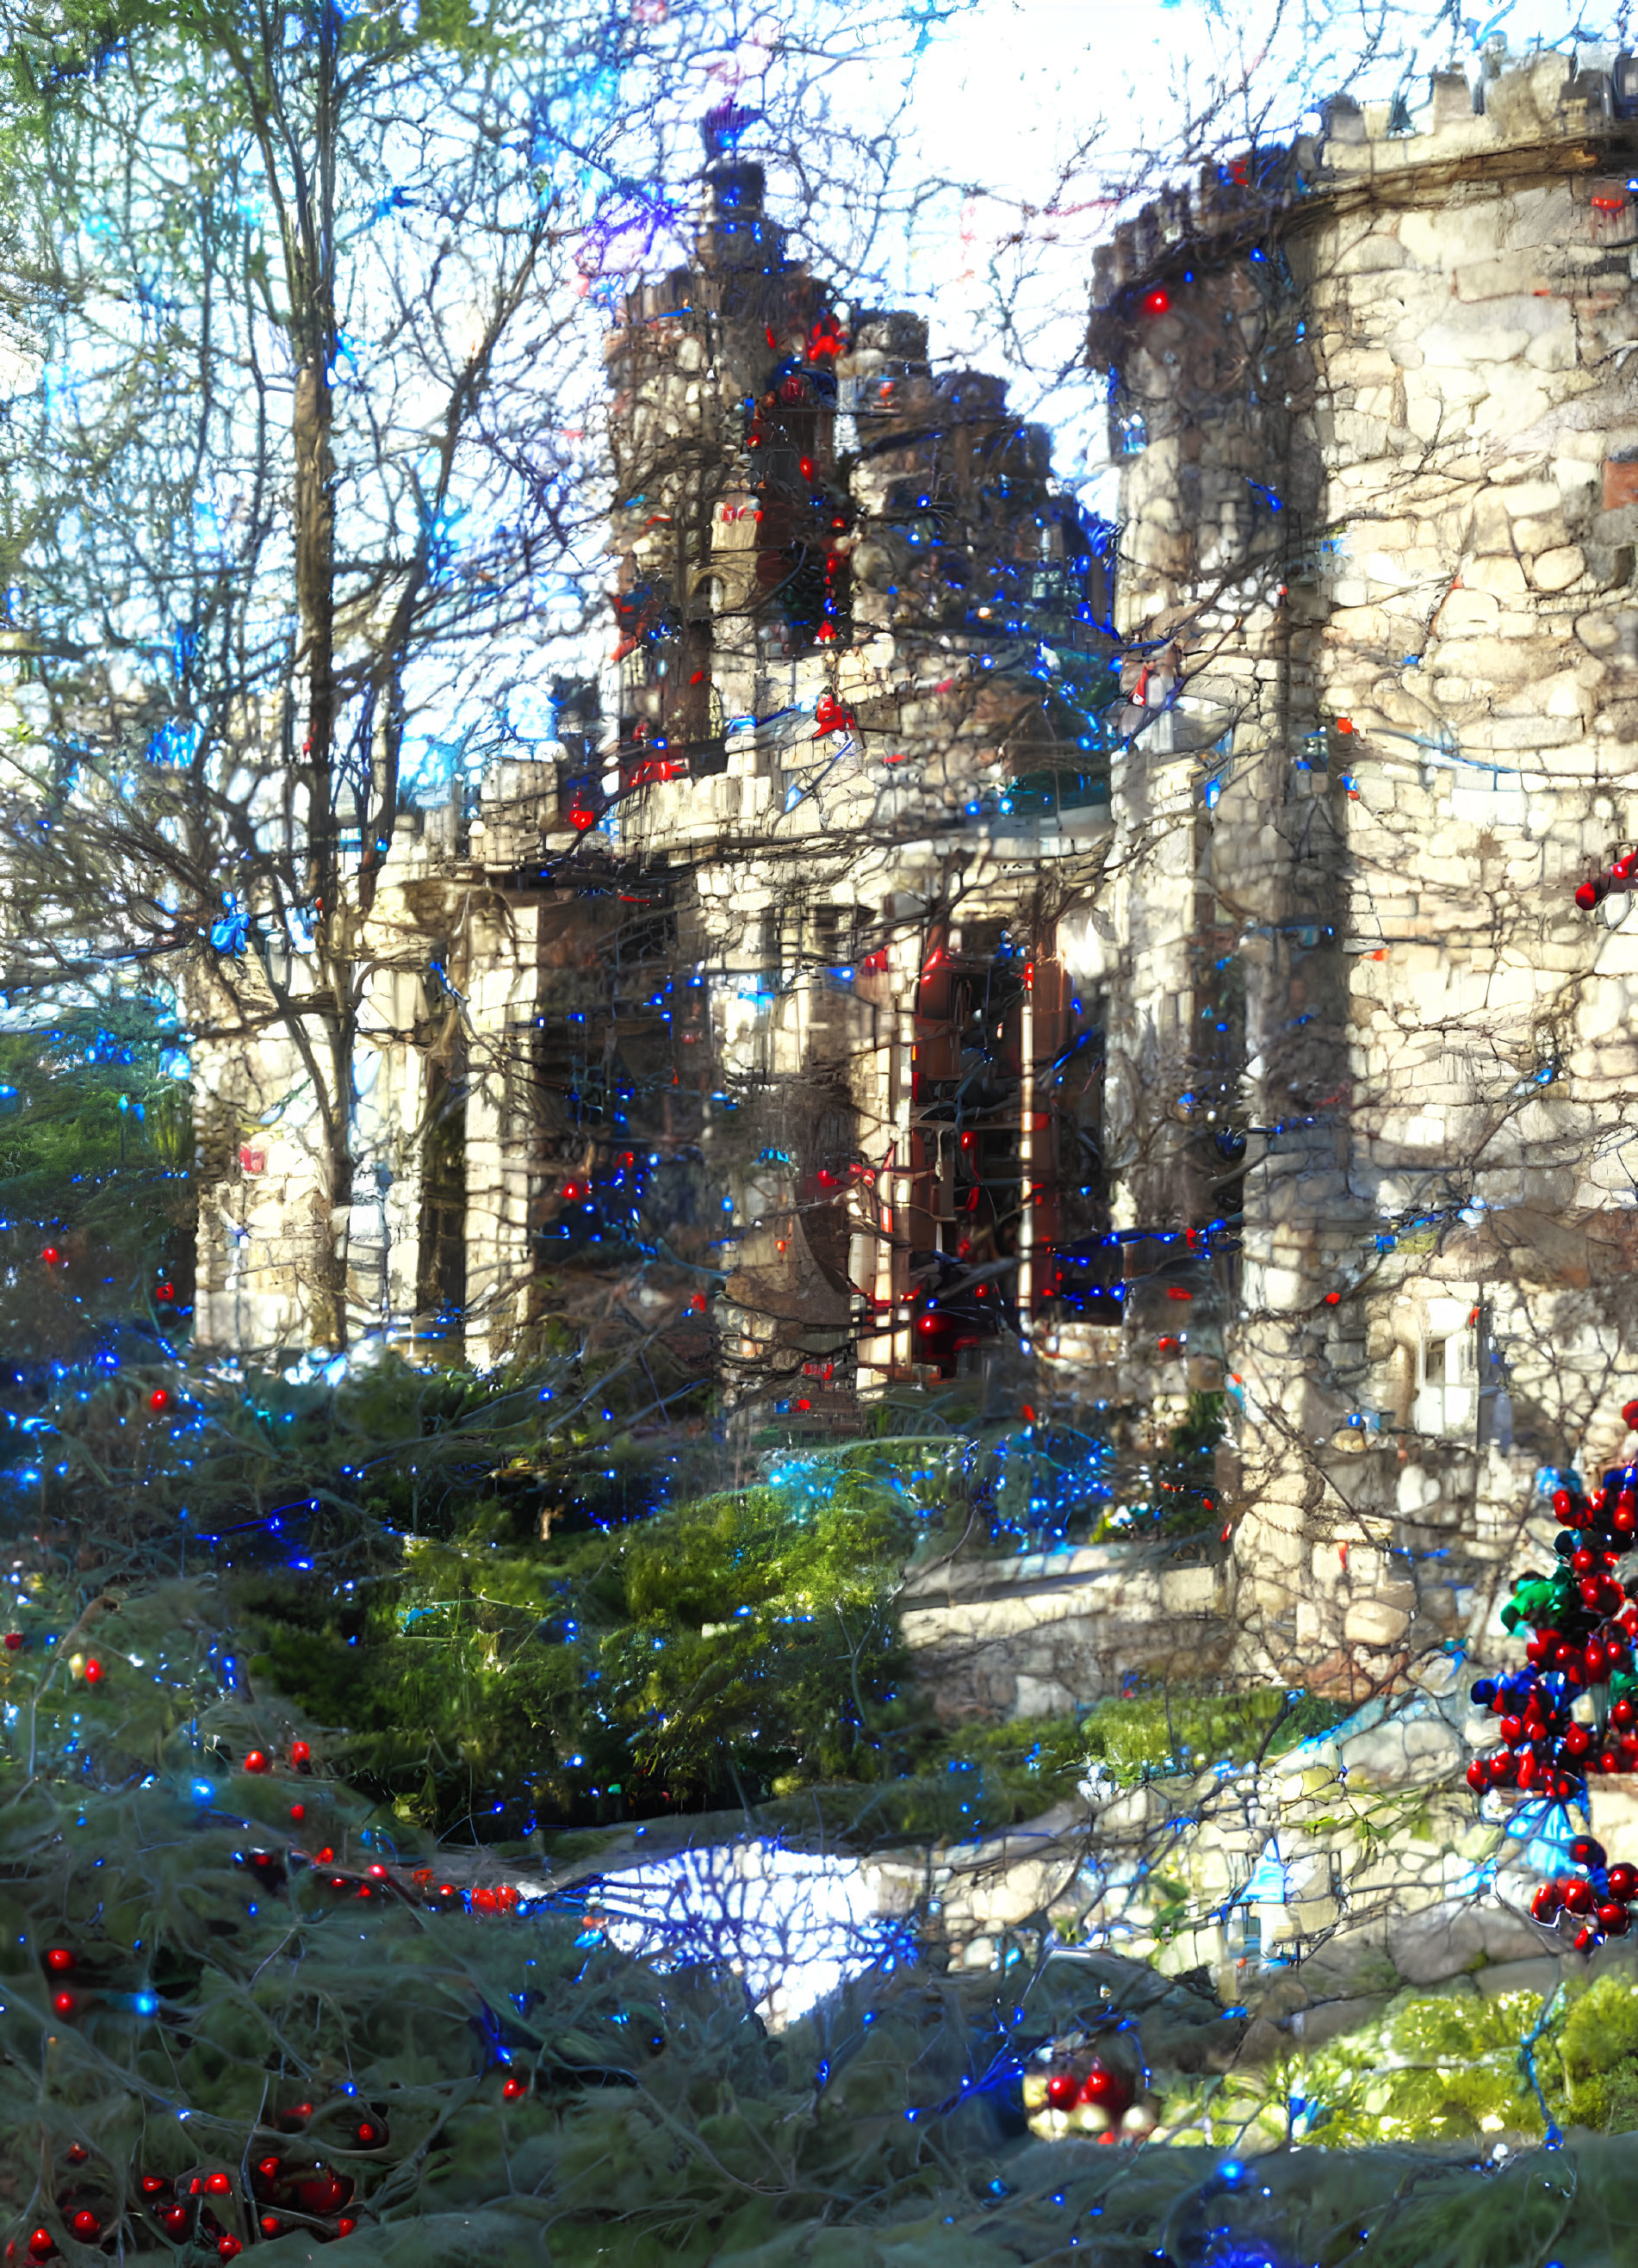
x: 346, y: 2225
x: 65, y: 2003
x: 153, y: 2185
x: 219, y: 2184
x: 158, y: 1399
x: 515, y: 2088
x: 58, y: 1958
x: 1476, y: 1778
x: 77, y: 2153
x: 1577, y: 1740
x: 1106, y: 2088
x: 41, y: 2244
x: 1586, y: 897
x: 93, y: 1672
x: 1589, y: 1940
x: 176, y: 2219
x: 229, y: 2247
x: 268, y: 2168
x: 1629, y: 1415
x: 300, y: 1755
x: 1546, y: 1902
x: 270, y: 2223
x: 1623, y: 1880
x: 14, y: 1641
x: 298, y: 1811
x: 51, y: 1257
x: 256, y: 1760
x: 86, y: 2226
x: 1612, y: 1919
x: 1577, y: 1895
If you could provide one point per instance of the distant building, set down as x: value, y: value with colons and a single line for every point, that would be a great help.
x: 779, y: 921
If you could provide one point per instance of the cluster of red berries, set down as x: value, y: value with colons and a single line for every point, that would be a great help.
x: 1572, y: 1710
x: 257, y: 1760
x: 1097, y: 2086
x: 1596, y: 1904
x: 288, y: 2191
x: 1622, y: 875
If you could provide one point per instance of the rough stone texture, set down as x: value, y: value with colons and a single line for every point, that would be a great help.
x: 1417, y: 680
x: 1041, y: 1634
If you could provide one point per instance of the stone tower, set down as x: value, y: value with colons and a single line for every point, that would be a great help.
x: 1377, y: 412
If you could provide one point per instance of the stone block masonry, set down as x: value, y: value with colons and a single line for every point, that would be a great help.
x: 1377, y: 405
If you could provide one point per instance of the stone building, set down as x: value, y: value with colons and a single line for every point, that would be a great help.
x: 771, y: 940
x: 1375, y: 404
x: 1222, y: 1017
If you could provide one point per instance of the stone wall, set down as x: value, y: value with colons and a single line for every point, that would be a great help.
x: 1379, y: 547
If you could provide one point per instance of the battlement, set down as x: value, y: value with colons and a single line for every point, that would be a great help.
x: 1578, y: 108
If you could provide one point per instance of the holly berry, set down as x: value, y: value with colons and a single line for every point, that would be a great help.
x: 1106, y: 2088
x: 58, y: 1959
x: 95, y: 1672
x: 1545, y: 1903
x: 41, y: 2244
x: 256, y: 1760
x: 301, y: 1756
x: 219, y: 2184
x: 345, y: 2226
x: 86, y: 2226
x: 229, y: 2247
x: 516, y: 2087
x: 176, y: 2218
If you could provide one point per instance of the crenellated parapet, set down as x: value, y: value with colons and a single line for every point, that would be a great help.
x: 1571, y: 115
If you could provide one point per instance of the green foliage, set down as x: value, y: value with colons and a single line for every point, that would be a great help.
x: 1598, y: 2050
x: 739, y: 1647
x: 105, y: 1187
x: 655, y: 2120
x: 208, y: 1998
x: 1177, y: 1496
x: 1443, y: 2066
x: 1177, y: 1728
